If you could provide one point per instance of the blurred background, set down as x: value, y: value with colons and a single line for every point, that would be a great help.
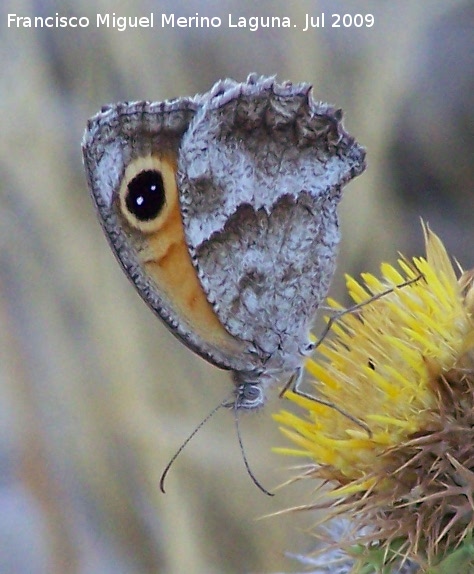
x: 95, y: 394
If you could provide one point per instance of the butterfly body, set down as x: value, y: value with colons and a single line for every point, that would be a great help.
x: 222, y: 211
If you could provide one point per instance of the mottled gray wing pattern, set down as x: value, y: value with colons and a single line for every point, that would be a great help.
x: 260, y: 175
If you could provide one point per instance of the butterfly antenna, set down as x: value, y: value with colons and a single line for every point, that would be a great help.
x: 185, y: 443
x: 244, y: 457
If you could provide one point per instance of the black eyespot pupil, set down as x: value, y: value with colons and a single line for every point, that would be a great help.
x: 146, y: 195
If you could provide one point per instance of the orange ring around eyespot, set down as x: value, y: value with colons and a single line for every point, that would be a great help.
x: 164, y: 164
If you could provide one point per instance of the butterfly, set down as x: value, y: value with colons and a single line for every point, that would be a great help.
x: 222, y: 210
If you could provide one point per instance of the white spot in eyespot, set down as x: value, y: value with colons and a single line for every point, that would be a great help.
x: 140, y: 200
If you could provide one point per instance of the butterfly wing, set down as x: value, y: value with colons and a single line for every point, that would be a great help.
x: 131, y: 153
x: 260, y: 175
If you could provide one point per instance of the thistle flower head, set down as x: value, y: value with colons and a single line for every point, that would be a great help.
x: 403, y: 364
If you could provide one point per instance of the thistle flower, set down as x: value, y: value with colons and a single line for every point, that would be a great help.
x: 402, y: 364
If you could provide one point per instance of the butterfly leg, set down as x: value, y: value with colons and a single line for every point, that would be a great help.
x: 294, y: 383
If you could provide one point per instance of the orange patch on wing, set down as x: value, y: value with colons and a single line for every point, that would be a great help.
x: 166, y: 260
x: 173, y: 272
